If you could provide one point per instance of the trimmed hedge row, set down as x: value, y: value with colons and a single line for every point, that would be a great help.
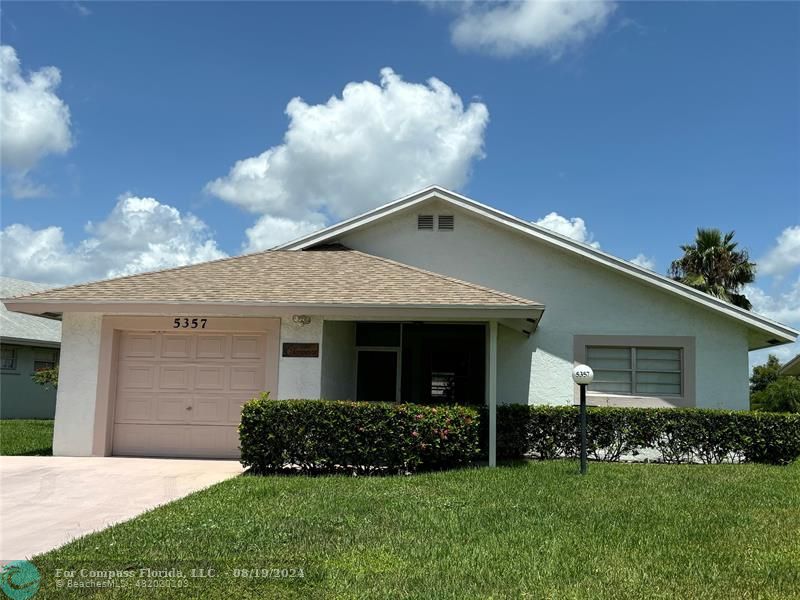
x: 325, y: 436
x: 678, y: 435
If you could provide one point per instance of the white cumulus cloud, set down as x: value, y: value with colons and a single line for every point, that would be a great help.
x: 35, y: 122
x: 374, y: 143
x: 647, y: 262
x: 140, y: 234
x: 574, y: 228
x: 270, y: 231
x: 784, y: 256
x: 531, y: 26
x: 783, y: 306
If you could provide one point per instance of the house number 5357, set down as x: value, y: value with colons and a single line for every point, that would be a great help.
x: 187, y: 323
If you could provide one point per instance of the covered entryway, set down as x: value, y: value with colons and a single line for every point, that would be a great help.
x: 180, y: 393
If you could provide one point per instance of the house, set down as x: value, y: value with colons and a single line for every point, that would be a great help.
x: 792, y: 367
x: 431, y: 298
x: 27, y: 344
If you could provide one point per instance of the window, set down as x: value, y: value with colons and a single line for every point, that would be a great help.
x: 9, y: 358
x: 446, y: 223
x: 636, y: 371
x: 45, y: 358
x: 425, y: 222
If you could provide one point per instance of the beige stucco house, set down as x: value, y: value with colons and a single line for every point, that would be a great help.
x: 431, y: 298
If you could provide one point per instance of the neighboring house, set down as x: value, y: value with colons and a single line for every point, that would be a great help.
x: 792, y: 367
x: 430, y: 298
x: 27, y: 344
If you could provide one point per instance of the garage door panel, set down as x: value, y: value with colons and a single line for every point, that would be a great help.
x: 208, y: 377
x: 250, y: 378
x: 173, y: 409
x: 214, y: 441
x: 247, y: 346
x: 136, y: 377
x: 135, y: 408
x: 141, y: 345
x: 177, y: 346
x: 175, y: 377
x: 213, y: 346
x: 209, y: 409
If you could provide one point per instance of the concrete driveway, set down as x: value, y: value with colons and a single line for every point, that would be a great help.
x: 46, y: 501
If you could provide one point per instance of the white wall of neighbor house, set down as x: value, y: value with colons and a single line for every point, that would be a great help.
x: 338, y: 360
x: 582, y: 298
x: 77, y: 384
x: 300, y: 377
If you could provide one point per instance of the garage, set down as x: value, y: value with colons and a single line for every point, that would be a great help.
x: 180, y: 393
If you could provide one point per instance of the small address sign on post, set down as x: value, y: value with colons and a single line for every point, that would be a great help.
x: 189, y: 323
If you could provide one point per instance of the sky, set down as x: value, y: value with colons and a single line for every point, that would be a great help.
x: 141, y: 135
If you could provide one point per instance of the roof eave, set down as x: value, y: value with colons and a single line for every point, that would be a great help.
x: 500, y: 311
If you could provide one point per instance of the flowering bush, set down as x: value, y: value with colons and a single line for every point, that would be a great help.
x: 324, y: 436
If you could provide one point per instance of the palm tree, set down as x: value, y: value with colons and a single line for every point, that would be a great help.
x: 713, y: 265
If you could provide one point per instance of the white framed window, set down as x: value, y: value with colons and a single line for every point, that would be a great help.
x: 639, y: 370
x: 636, y: 371
x: 8, y: 358
x: 45, y: 358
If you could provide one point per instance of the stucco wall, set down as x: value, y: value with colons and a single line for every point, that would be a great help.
x: 338, y: 360
x: 300, y: 377
x: 20, y: 397
x: 581, y: 299
x: 77, y: 384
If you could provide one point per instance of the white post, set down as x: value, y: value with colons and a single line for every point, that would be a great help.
x: 492, y: 393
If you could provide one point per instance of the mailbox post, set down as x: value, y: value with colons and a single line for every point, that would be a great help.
x: 583, y: 376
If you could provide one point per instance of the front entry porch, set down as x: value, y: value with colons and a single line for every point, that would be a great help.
x: 416, y: 362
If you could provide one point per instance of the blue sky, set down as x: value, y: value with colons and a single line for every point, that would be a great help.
x: 644, y: 120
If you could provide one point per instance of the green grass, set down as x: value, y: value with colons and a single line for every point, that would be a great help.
x: 533, y: 530
x: 32, y: 437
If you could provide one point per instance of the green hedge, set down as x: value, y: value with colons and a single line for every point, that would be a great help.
x: 324, y: 436
x: 678, y: 435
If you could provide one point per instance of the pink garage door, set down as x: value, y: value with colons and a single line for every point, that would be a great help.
x: 181, y: 394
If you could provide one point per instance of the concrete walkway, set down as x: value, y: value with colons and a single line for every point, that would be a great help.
x: 46, y: 501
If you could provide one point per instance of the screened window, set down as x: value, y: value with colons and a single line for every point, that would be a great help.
x: 45, y: 359
x: 8, y: 360
x: 636, y: 371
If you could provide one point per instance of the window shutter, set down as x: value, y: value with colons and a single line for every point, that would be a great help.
x: 446, y: 222
x: 425, y: 222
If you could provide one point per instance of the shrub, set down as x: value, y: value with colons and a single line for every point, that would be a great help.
x: 46, y: 377
x: 324, y: 436
x: 781, y: 395
x: 678, y: 435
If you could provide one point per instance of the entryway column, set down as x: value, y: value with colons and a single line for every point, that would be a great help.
x: 492, y: 376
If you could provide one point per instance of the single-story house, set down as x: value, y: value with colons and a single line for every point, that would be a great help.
x: 27, y: 344
x: 792, y: 367
x: 431, y: 298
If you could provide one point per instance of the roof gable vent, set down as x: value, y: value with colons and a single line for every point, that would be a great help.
x: 447, y: 222
x: 425, y: 222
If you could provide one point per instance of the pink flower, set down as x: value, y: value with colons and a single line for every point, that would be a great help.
x: 414, y: 434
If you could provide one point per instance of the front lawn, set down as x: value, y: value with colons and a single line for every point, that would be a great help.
x: 32, y: 437
x: 533, y: 530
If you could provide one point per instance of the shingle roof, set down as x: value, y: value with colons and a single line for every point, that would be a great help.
x: 25, y: 327
x: 333, y: 276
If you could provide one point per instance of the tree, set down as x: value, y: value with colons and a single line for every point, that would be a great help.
x: 782, y: 395
x: 765, y: 374
x: 714, y: 265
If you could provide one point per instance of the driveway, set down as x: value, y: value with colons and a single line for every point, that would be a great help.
x: 46, y: 501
